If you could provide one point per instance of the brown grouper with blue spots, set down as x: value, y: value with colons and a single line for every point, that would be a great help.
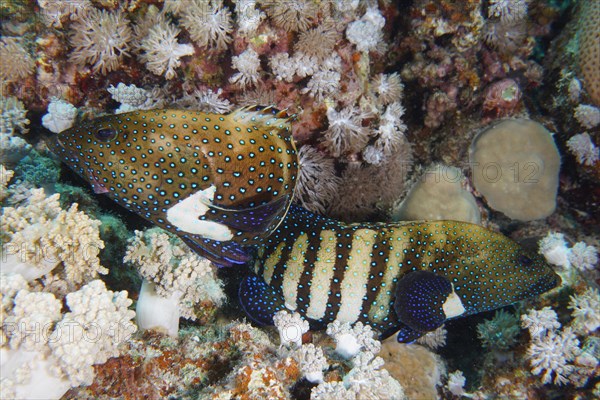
x: 220, y: 182
x: 407, y: 277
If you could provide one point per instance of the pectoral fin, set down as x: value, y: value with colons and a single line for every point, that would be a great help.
x: 222, y: 254
x: 259, y: 300
x: 425, y: 300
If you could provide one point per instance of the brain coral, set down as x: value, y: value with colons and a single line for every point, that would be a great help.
x: 515, y: 166
x: 589, y: 48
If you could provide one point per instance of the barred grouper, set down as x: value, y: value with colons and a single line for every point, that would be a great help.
x: 407, y: 277
x: 220, y: 182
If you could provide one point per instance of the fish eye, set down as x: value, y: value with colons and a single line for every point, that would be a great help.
x: 525, y: 260
x: 105, y: 134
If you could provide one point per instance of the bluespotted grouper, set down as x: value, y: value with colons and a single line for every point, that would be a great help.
x: 407, y: 277
x: 220, y: 182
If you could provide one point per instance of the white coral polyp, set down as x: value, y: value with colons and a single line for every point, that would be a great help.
x: 162, y: 51
x: 555, y: 250
x: 101, y: 39
x: 248, y: 64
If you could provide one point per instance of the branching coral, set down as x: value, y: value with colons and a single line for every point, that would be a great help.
x: 39, y: 237
x: 540, y: 322
x: 209, y: 23
x: 45, y: 352
x: 175, y: 280
x: 12, y: 120
x: 555, y: 249
x: 312, y: 362
x: 291, y: 327
x: 583, y: 257
x: 350, y: 340
x: 101, y: 39
x: 5, y: 176
x: 586, y: 311
x: 552, y: 354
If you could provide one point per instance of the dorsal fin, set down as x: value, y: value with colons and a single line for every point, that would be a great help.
x: 264, y: 116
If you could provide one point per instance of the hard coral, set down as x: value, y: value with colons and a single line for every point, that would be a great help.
x: 101, y: 39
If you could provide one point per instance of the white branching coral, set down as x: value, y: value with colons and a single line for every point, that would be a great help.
x: 350, y: 340
x: 291, y: 327
x: 509, y: 11
x: 555, y: 250
x: 93, y: 308
x: 583, y: 257
x: 209, y: 23
x: 61, y: 115
x: 588, y: 116
x: 162, y: 51
x: 540, y: 322
x: 367, y: 32
x: 582, y: 147
x: 248, y: 65
x: 292, y: 15
x: 101, y: 39
x: 39, y: 236
x: 12, y: 120
x: 175, y: 280
x: 44, y: 352
x: 13, y: 116
x: 346, y: 133
x: 5, y: 176
x: 312, y: 362
x: 15, y: 61
x: 586, y: 311
x: 317, y: 182
x: 370, y: 381
x: 367, y: 380
x: 552, y: 354
x: 248, y: 17
x: 388, y: 87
